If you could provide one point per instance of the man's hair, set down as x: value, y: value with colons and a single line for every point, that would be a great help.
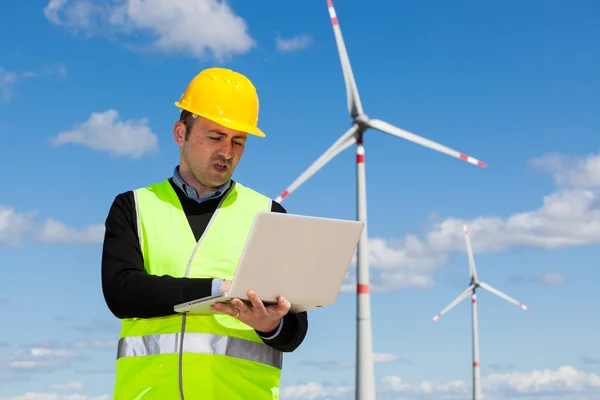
x: 188, y: 120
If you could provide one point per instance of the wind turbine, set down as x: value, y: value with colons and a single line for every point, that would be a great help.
x: 365, y: 376
x: 474, y: 284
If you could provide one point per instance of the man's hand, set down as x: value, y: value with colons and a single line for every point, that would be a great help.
x: 255, y: 314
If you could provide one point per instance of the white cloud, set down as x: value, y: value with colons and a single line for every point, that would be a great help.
x: 27, y: 362
x: 15, y: 226
x: 56, y: 232
x: 569, y: 216
x: 103, y: 131
x: 552, y: 278
x: 292, y: 44
x: 189, y: 27
x: 313, y: 391
x: 570, y: 171
x: 565, y: 383
x: 37, y: 358
x: 8, y: 79
x: 72, y: 385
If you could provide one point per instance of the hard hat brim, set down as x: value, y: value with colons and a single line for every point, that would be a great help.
x: 238, y: 126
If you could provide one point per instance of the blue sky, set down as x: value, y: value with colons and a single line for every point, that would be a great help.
x: 86, y: 112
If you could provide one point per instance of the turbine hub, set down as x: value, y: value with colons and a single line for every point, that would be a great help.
x: 362, y: 121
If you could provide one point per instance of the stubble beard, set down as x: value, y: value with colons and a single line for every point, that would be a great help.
x: 202, y: 181
x: 208, y: 178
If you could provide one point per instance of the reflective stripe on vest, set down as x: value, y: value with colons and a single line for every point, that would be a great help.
x: 198, y: 343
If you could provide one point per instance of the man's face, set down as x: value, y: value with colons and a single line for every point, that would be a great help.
x: 211, y: 151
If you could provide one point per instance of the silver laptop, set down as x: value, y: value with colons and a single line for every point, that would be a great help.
x: 302, y: 258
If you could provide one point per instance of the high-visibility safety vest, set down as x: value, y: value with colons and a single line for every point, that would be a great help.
x: 194, y: 357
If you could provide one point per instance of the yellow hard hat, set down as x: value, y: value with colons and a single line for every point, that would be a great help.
x: 225, y: 97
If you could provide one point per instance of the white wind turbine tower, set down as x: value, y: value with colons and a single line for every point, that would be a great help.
x: 365, y: 377
x: 474, y: 284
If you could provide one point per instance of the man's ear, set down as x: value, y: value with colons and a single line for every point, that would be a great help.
x: 179, y: 132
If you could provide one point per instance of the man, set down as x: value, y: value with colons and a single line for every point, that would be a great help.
x: 179, y: 240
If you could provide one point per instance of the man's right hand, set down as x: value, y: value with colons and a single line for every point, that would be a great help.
x: 225, y: 285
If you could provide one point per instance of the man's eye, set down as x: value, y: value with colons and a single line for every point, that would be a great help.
x: 215, y: 138
x: 239, y: 143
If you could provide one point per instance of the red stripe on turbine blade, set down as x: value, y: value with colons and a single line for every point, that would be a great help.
x: 476, y: 364
x: 360, y: 158
x: 284, y: 194
x: 361, y: 288
x: 334, y: 19
x: 472, y: 160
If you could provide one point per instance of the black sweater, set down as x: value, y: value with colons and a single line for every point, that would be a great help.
x: 130, y: 292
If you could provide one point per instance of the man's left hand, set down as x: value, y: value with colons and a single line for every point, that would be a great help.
x: 256, y: 315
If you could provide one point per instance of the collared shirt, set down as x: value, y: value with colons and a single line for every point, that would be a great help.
x: 191, y: 193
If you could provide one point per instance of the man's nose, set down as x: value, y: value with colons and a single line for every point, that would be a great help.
x: 226, y: 149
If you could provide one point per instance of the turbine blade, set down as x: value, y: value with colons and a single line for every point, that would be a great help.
x: 502, y: 295
x: 395, y: 131
x: 353, y: 99
x: 472, y: 270
x: 454, y: 302
x: 340, y: 145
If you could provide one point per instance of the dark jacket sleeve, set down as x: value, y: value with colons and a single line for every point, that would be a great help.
x: 295, y: 325
x: 129, y: 291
